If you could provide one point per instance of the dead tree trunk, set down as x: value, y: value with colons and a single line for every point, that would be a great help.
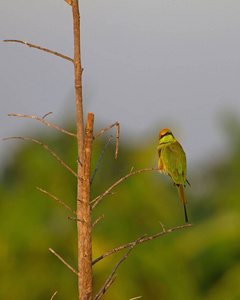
x: 84, y: 214
x: 83, y: 186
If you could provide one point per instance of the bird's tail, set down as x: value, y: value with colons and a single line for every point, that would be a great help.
x: 183, y: 200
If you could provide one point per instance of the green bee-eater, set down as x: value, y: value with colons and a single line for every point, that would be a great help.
x: 172, y: 160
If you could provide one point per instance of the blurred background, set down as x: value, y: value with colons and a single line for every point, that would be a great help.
x: 147, y: 65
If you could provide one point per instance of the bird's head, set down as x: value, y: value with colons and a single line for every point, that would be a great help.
x: 164, y: 133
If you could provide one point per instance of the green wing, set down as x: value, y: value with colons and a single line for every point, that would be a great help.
x: 174, y: 162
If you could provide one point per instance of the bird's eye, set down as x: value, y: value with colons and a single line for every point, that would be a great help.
x: 164, y: 133
x: 167, y: 133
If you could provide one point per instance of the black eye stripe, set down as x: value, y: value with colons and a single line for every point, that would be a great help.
x: 167, y: 133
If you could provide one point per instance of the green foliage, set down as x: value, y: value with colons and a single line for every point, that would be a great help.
x: 200, y: 262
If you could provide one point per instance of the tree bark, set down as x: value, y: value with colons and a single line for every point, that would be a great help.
x: 84, y: 158
x: 84, y: 213
x: 78, y: 81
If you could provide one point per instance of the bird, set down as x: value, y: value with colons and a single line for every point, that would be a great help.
x: 172, y: 160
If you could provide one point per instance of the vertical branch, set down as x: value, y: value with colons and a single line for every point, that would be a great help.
x: 84, y: 213
x: 84, y: 156
x: 78, y: 79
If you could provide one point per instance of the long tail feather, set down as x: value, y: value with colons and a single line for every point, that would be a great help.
x: 185, y: 211
x: 183, y: 200
x: 181, y: 193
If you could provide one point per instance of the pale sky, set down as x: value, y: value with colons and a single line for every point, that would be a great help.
x: 148, y: 64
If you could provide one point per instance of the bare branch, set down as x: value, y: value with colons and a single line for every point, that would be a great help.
x: 47, y: 148
x: 53, y: 295
x: 100, y: 158
x: 75, y: 219
x: 107, y: 286
x: 47, y: 114
x: 131, y: 170
x: 117, y: 136
x: 69, y: 2
x: 103, y: 289
x: 136, y: 298
x: 65, y: 263
x: 95, y: 199
x: 163, y: 228
x: 141, y: 241
x: 119, y: 181
x: 102, y: 216
x: 79, y: 162
x: 48, y: 124
x: 69, y: 208
x: 41, y: 48
x: 165, y: 231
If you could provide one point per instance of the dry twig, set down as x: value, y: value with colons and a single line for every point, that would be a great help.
x: 94, y: 223
x: 47, y: 148
x: 41, y: 48
x: 95, y: 199
x: 75, y: 219
x: 119, y: 181
x: 100, y: 158
x: 47, y: 114
x: 53, y: 295
x: 103, y: 289
x: 41, y: 119
x: 107, y: 286
x: 65, y: 205
x: 117, y: 136
x: 140, y: 241
x: 69, y: 2
x: 163, y: 228
x: 65, y: 263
